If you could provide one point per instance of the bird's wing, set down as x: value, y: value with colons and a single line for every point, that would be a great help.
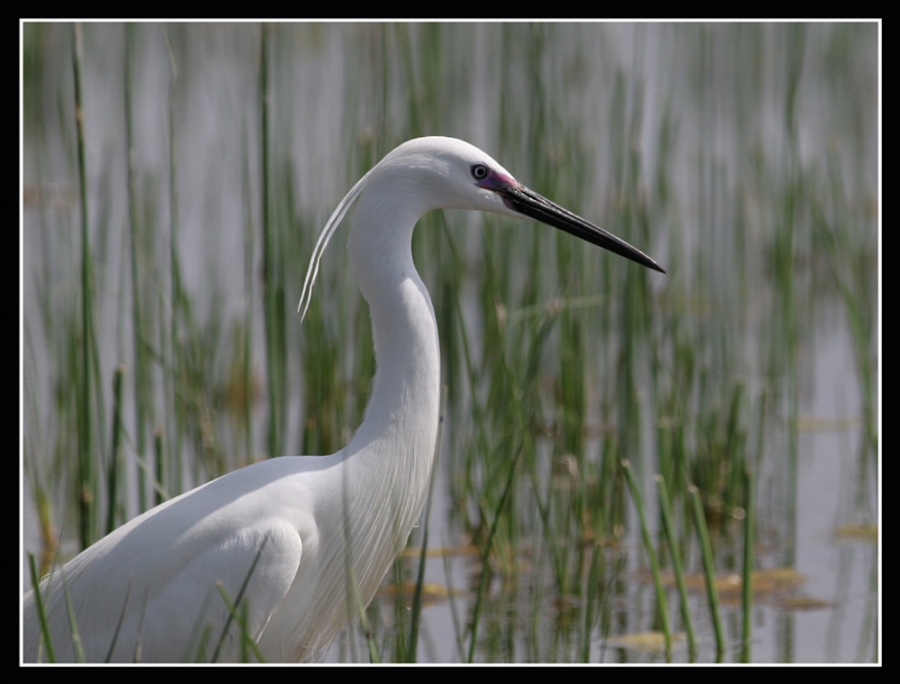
x: 253, y: 572
x: 152, y: 587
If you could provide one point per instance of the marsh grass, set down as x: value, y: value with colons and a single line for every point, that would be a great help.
x: 171, y: 278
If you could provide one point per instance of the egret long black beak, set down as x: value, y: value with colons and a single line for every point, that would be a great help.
x: 535, y: 206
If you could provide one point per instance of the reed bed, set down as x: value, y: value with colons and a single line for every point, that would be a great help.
x: 175, y: 180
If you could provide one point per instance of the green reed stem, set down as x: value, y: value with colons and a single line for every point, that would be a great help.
x: 41, y: 610
x: 652, y: 557
x: 709, y: 569
x: 668, y: 518
x: 112, y: 476
x: 747, y: 593
x: 84, y: 484
x: 485, y: 556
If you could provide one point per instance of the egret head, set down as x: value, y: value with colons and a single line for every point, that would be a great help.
x: 437, y: 172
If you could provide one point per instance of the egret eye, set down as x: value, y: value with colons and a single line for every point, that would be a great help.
x: 480, y: 171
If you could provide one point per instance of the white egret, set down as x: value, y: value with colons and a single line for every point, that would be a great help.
x: 319, y: 532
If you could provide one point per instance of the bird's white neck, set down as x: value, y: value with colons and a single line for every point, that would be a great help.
x: 393, y: 449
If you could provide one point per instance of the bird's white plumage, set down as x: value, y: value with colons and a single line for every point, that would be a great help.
x: 322, y: 531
